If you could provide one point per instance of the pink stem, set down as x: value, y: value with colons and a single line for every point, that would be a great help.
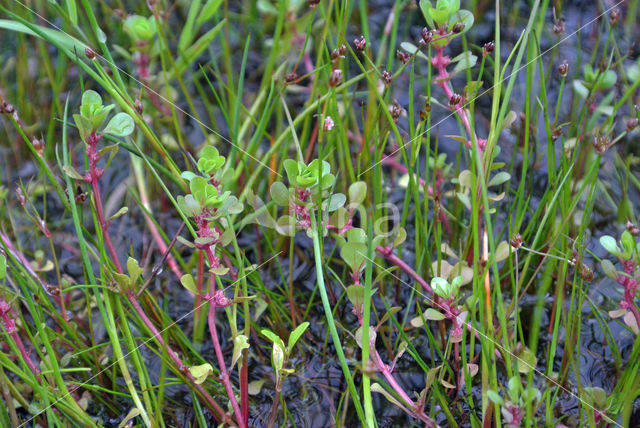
x: 158, y: 238
x: 25, y: 263
x: 443, y: 81
x: 24, y: 353
x: 94, y: 175
x: 387, y: 253
x: 174, y: 357
x: 224, y: 374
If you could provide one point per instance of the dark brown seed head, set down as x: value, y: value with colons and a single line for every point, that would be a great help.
x: 138, y: 106
x: 427, y: 35
x: 403, y: 56
x: 458, y: 27
x: 488, y: 48
x: 90, y: 53
x: 455, y: 100
x: 586, y: 273
x: 516, y: 241
x: 563, y: 68
x: 342, y: 50
x: 386, y: 78
x: 314, y: 3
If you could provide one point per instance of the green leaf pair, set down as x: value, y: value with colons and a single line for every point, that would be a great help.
x: 93, y: 114
x: 626, y: 240
x: 210, y: 161
x: 597, y: 81
x: 309, y: 176
x: 444, y: 289
x: 445, y: 15
x: 280, y: 353
x: 139, y: 28
x: 439, y: 15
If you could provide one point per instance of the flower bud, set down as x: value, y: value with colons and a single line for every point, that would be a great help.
x: 403, y: 56
x: 386, y: 78
x: 458, y: 27
x: 360, y: 43
x: 600, y: 144
x: 314, y: 3
x: 328, y: 124
x: 290, y: 77
x: 488, y: 48
x: 614, y: 16
x: 586, y: 273
x: 427, y: 35
x: 90, y: 53
x: 516, y: 241
x: 38, y: 146
x: 336, y: 78
x: 632, y: 228
x: 632, y: 124
x: 396, y: 110
x: 6, y: 108
x: 558, y: 27
x: 138, y: 106
x: 342, y: 50
x: 563, y: 68
x: 455, y: 100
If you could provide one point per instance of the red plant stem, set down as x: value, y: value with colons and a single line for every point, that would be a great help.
x: 200, y: 281
x: 387, y: 253
x: 162, y: 246
x: 94, y: 175
x: 224, y: 374
x: 24, y: 353
x: 244, y: 387
x: 386, y: 372
x: 415, y: 408
x: 174, y: 357
x: 25, y: 263
x: 635, y: 312
x: 442, y: 80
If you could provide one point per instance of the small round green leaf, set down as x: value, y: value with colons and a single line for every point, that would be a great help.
x: 120, y: 125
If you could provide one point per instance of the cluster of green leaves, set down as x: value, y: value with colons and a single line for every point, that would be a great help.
x: 445, y: 289
x: 280, y: 353
x: 594, y: 81
x: 517, y: 397
x: 140, y: 29
x: 630, y: 248
x: 314, y: 183
x: 93, y: 114
x: 207, y: 197
x: 444, y: 15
